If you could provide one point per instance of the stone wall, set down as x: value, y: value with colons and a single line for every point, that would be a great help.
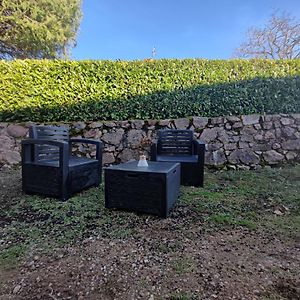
x: 234, y: 141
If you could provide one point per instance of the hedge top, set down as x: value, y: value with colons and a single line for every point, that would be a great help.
x: 56, y: 90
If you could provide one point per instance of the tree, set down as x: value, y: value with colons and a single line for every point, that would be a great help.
x: 38, y: 28
x: 279, y: 39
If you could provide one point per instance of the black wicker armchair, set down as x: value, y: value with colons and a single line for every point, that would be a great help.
x: 49, y: 168
x: 180, y: 146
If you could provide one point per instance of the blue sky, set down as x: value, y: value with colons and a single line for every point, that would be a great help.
x: 129, y: 29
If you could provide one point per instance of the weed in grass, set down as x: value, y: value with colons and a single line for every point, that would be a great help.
x: 183, y: 265
x: 10, y: 257
x: 120, y: 233
x: 223, y: 219
x: 183, y: 296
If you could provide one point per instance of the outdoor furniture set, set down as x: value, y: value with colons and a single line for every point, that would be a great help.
x: 50, y: 168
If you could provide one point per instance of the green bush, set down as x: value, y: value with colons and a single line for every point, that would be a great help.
x: 55, y: 90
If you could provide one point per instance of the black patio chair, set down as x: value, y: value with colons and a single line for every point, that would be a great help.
x: 49, y: 168
x: 180, y: 146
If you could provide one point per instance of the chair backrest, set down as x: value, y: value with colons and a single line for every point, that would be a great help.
x: 175, y: 142
x: 48, y: 152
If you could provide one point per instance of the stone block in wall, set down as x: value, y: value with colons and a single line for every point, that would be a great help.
x: 296, y: 117
x: 237, y: 125
x: 277, y: 123
x: 129, y: 154
x: 288, y: 132
x: 250, y: 119
x: 3, y: 125
x: 16, y: 131
x: 152, y: 123
x: 223, y: 136
x: 79, y: 126
x: 209, y: 134
x: 269, y: 135
x: 233, y: 138
x: 272, y: 157
x: 278, y: 133
x: 261, y: 146
x: 217, y: 120
x: 243, y: 156
x: 249, y: 130
x: 107, y: 158
x: 164, y: 123
x: 215, y: 158
x: 123, y: 124
x: 281, y: 151
x: 267, y: 125
x: 200, y: 122
x: 269, y: 118
x: 243, y: 145
x: 276, y: 146
x: 109, y: 124
x: 182, y: 123
x: 287, y: 121
x: 291, y: 145
x: 137, y: 124
x: 135, y: 137
x: 10, y: 157
x: 114, y: 137
x: 228, y: 126
x: 291, y: 155
x: 233, y: 119
x: 92, y: 134
x: 6, y: 143
x: 214, y: 146
x: 259, y: 137
x: 96, y: 125
x: 119, y: 148
x: 230, y: 146
x: 109, y: 148
x: 93, y: 154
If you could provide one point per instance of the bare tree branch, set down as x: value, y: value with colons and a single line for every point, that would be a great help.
x: 279, y: 39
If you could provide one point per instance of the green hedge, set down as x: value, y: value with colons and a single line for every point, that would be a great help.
x: 45, y: 90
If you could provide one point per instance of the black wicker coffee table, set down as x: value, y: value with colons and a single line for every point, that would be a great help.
x: 153, y: 189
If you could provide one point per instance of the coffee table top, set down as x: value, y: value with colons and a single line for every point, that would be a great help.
x: 153, y: 167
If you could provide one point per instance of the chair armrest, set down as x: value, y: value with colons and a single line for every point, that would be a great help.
x: 153, y: 152
x: 27, y: 147
x: 98, y: 144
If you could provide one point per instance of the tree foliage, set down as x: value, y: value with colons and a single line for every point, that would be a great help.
x: 38, y: 28
x: 279, y: 39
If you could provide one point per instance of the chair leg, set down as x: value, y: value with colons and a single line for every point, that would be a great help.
x: 65, y: 194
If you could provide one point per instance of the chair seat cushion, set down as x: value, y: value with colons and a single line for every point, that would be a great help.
x: 73, y: 162
x: 177, y: 158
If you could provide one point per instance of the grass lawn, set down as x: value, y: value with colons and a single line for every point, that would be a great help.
x: 238, y: 237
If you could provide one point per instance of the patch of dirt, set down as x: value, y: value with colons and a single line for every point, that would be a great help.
x: 236, y: 264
